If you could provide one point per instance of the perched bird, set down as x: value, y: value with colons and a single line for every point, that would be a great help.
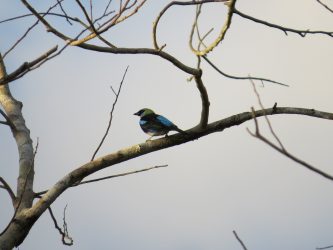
x: 154, y: 124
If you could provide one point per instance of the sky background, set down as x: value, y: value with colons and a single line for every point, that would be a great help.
x: 222, y: 182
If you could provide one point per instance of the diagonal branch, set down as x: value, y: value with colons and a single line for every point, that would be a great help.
x: 26, y: 67
x: 280, y: 148
x: 111, y: 115
x: 8, y: 121
x: 239, y: 240
x: 325, y: 6
x: 38, y: 195
x: 6, y: 186
x: 302, y: 33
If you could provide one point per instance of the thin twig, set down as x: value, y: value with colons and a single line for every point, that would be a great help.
x: 63, y: 11
x: 25, y: 67
x: 29, y: 29
x: 64, y: 234
x: 38, y: 195
x: 9, y: 190
x: 8, y: 121
x: 156, y: 46
x: 302, y: 33
x: 120, y: 175
x: 239, y: 240
x: 322, y: 248
x: 266, y: 117
x: 241, y: 77
x: 280, y: 148
x: 111, y: 115
x: 325, y: 6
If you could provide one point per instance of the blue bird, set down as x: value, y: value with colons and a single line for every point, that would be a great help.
x: 154, y: 124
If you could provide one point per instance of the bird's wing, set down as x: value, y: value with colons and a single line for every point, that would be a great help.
x: 164, y: 121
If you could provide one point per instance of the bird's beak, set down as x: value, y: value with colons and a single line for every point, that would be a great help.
x: 137, y: 113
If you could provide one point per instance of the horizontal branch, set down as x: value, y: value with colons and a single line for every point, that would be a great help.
x: 162, y: 54
x: 147, y: 147
x: 241, y: 77
x: 302, y: 33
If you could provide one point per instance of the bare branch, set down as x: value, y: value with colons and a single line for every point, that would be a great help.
x: 8, y: 189
x: 8, y: 121
x: 325, y: 6
x: 26, y: 67
x: 241, y: 77
x: 204, y: 102
x: 156, y: 46
x: 120, y: 175
x: 266, y: 118
x: 64, y: 233
x: 225, y: 27
x: 280, y: 148
x: 30, y: 28
x: 302, y: 33
x: 63, y: 11
x: 111, y: 114
x: 239, y: 240
x: 106, y: 178
x: 322, y: 248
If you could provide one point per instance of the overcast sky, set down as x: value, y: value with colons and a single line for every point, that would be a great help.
x: 223, y: 182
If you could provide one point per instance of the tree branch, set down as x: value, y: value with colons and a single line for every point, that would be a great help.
x: 241, y: 77
x: 8, y: 121
x: 280, y: 148
x: 172, y: 4
x: 239, y: 240
x: 231, y: 6
x: 325, y: 6
x: 111, y: 114
x: 106, y: 178
x: 25, y: 67
x: 302, y: 33
x: 64, y: 233
x: 9, y: 190
x: 322, y: 248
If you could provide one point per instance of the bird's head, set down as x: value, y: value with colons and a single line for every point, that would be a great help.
x: 144, y: 112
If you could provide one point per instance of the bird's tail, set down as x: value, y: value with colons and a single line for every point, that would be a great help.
x: 181, y: 131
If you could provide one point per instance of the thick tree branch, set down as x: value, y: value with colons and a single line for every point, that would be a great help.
x: 302, y: 33
x: 144, y: 148
x: 204, y: 102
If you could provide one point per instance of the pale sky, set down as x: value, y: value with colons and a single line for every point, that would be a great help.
x: 222, y: 182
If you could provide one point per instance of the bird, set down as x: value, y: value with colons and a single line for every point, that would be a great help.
x: 154, y: 124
